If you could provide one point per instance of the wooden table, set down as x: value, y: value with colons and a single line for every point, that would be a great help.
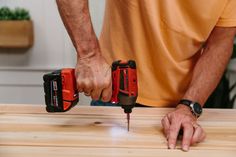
x: 28, y: 131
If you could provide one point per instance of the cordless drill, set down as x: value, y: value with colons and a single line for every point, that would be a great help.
x: 124, y: 85
x: 61, y: 91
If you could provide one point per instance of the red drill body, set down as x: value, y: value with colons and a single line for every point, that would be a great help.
x: 124, y: 85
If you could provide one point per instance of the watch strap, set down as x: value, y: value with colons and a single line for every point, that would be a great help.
x: 191, y: 105
x: 185, y: 102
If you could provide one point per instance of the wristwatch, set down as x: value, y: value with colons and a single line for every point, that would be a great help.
x: 195, y: 107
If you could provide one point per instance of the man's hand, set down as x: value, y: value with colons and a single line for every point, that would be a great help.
x: 94, y: 77
x: 182, y: 118
x: 92, y: 71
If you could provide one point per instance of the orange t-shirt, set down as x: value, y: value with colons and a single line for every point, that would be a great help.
x: 164, y: 37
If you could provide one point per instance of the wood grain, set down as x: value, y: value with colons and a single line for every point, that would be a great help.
x: 29, y: 151
x: 26, y: 130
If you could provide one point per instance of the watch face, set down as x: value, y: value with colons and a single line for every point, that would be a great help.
x: 197, y: 108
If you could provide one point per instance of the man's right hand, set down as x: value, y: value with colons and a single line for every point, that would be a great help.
x: 93, y: 75
x: 92, y: 72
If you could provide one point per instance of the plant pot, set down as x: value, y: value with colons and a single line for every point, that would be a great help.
x: 16, y: 34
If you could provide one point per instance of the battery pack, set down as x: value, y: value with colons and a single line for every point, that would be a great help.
x: 60, y: 90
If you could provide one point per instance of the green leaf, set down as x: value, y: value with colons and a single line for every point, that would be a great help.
x: 16, y: 14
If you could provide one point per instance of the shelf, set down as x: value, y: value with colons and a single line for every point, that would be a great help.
x: 16, y: 34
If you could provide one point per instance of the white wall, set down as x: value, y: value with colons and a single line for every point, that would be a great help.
x: 21, y: 71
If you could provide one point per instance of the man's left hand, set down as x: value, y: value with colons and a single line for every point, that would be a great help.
x: 182, y: 118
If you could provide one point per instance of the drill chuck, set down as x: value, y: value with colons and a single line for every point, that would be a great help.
x: 127, y: 108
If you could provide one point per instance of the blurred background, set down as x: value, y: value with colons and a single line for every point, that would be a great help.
x: 21, y: 69
x: 22, y: 66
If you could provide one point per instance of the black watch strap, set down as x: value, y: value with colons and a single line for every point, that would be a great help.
x: 185, y: 102
x: 195, y: 107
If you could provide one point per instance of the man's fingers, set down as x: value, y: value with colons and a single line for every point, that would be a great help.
x: 198, y: 133
x: 173, y: 133
x: 80, y: 86
x: 187, y: 136
x: 87, y: 88
x: 203, y: 136
x: 84, y: 86
x: 93, y: 75
x: 79, y: 83
x: 107, y: 93
x: 166, y: 126
x: 96, y: 93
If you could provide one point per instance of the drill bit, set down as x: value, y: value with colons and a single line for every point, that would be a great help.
x: 128, y: 118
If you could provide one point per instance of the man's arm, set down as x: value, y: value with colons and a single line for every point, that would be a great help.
x: 92, y: 71
x: 211, y: 65
x: 206, y: 75
x: 76, y: 18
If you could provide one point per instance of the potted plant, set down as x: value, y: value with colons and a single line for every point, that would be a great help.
x: 16, y: 28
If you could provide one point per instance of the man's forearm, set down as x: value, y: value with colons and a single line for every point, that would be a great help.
x: 211, y: 65
x: 76, y: 18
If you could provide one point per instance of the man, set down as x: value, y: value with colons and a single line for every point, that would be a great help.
x: 181, y: 49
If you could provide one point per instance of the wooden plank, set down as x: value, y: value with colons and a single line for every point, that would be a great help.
x: 101, y: 131
x: 208, y: 114
x: 105, y: 131
x: 19, y: 151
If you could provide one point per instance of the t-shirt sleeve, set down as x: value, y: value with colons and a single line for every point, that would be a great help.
x: 228, y: 16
